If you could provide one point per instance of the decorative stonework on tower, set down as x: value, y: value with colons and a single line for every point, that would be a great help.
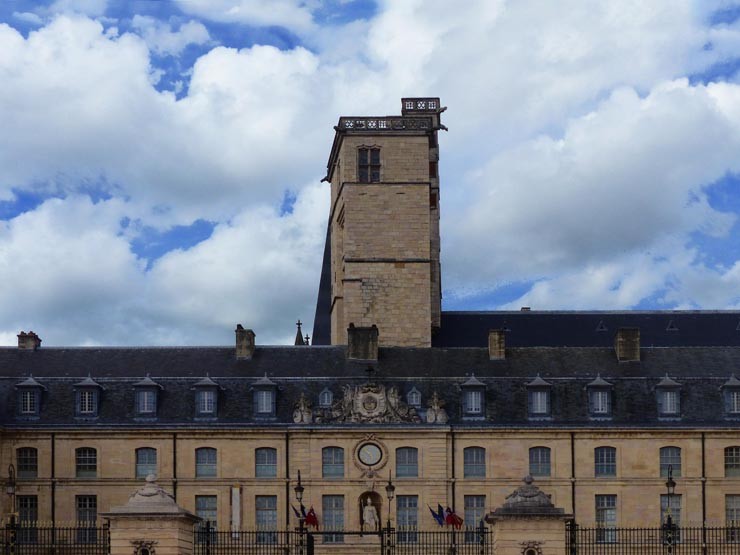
x: 384, y: 224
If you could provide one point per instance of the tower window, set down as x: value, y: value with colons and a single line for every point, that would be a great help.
x: 368, y: 167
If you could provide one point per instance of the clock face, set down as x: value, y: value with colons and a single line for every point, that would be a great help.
x: 370, y: 454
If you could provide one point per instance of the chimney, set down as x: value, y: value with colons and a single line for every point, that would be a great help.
x: 28, y: 341
x: 244, y: 343
x: 627, y: 344
x: 362, y: 343
x: 496, y: 344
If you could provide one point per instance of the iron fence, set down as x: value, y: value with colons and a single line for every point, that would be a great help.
x: 694, y: 540
x: 26, y: 538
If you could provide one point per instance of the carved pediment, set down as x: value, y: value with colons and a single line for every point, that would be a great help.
x: 370, y: 403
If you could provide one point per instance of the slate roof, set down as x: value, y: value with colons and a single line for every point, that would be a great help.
x: 536, y: 328
x: 701, y: 371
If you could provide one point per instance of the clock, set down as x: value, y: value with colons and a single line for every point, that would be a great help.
x: 369, y: 454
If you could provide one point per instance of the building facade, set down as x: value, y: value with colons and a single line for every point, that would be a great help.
x: 454, y: 408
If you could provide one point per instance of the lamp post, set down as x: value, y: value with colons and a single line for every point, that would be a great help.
x: 10, y: 490
x: 390, y: 492
x: 669, y: 526
x: 298, y: 489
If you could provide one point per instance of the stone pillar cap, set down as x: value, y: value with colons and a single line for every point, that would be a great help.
x: 151, y: 499
x: 527, y: 500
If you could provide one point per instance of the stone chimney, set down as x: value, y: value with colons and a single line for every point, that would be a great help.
x: 362, y: 343
x: 496, y: 345
x: 28, y: 341
x: 244, y: 343
x: 627, y: 344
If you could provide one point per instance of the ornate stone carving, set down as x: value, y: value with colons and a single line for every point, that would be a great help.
x: 302, y: 412
x: 436, y: 414
x: 144, y: 547
x: 531, y: 547
x: 370, y: 403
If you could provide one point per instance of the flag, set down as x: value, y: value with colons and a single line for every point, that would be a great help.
x: 451, y: 519
x: 295, y: 512
x: 439, y: 516
x: 303, y: 511
x: 312, y: 519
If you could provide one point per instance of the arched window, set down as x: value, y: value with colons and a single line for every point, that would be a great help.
x: 326, y: 398
x: 205, y: 462
x: 407, y: 462
x: 539, y: 461
x: 414, y: 398
x: 332, y: 462
x: 146, y: 462
x: 605, y: 461
x: 670, y: 457
x: 86, y: 462
x: 265, y: 462
x: 474, y: 462
x: 732, y: 462
x: 27, y: 462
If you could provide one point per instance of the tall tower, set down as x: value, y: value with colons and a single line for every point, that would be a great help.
x: 384, y: 224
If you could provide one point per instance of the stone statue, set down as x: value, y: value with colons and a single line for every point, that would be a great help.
x: 370, y: 516
x: 436, y: 414
x: 302, y: 413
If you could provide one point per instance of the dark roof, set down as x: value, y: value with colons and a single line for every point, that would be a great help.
x: 535, y: 328
x: 701, y: 371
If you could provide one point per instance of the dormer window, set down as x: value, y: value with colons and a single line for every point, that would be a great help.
x: 538, y: 397
x: 146, y: 397
x: 669, y: 398
x: 599, y: 398
x: 414, y: 398
x: 206, y: 398
x: 731, y: 394
x: 473, y: 398
x: 87, y: 398
x: 264, y: 397
x: 326, y: 398
x: 29, y: 397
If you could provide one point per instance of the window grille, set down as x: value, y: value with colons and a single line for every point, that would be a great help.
x: 333, y: 512
x: 265, y: 516
x: 407, y: 507
x: 86, y: 462
x: 606, y: 518
x: 605, y: 461
x: 474, y: 506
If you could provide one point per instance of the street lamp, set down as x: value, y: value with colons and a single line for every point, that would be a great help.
x: 298, y: 489
x: 10, y: 490
x: 671, y: 489
x: 390, y: 491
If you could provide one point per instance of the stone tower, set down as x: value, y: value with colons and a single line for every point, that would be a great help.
x: 384, y: 224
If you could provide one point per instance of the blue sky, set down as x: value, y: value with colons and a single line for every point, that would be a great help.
x: 160, y: 161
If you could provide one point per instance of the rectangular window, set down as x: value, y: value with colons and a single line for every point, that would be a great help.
x: 539, y: 402
x: 87, y: 401
x: 732, y: 517
x: 146, y: 401
x: 205, y: 462
x: 606, y: 518
x: 207, y: 401
x: 407, y: 462
x: 539, y: 461
x: 265, y: 462
x: 146, y: 462
x: 474, y: 506
x: 368, y: 165
x: 669, y: 402
x: 86, y: 461
x: 733, y: 401
x: 333, y: 511
x: 332, y: 462
x: 605, y: 461
x: 407, y: 507
x: 732, y: 462
x: 600, y: 402
x: 87, y: 515
x: 29, y: 402
x: 27, y: 462
x: 670, y: 457
x: 206, y: 507
x: 265, y: 515
x: 474, y: 462
x: 474, y: 402
x: 264, y: 401
x: 28, y: 516
x: 672, y: 502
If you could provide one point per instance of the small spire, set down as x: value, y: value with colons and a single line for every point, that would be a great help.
x: 307, y: 339
x: 298, y: 334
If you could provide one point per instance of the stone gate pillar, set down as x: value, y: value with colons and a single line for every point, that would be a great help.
x: 528, y: 523
x: 151, y: 523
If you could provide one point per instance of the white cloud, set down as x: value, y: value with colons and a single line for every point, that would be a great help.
x: 28, y: 17
x: 162, y: 39
x: 293, y: 14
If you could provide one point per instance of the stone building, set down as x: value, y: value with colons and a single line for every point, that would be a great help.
x: 454, y: 407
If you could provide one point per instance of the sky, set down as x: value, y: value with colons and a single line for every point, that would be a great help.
x: 161, y: 161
